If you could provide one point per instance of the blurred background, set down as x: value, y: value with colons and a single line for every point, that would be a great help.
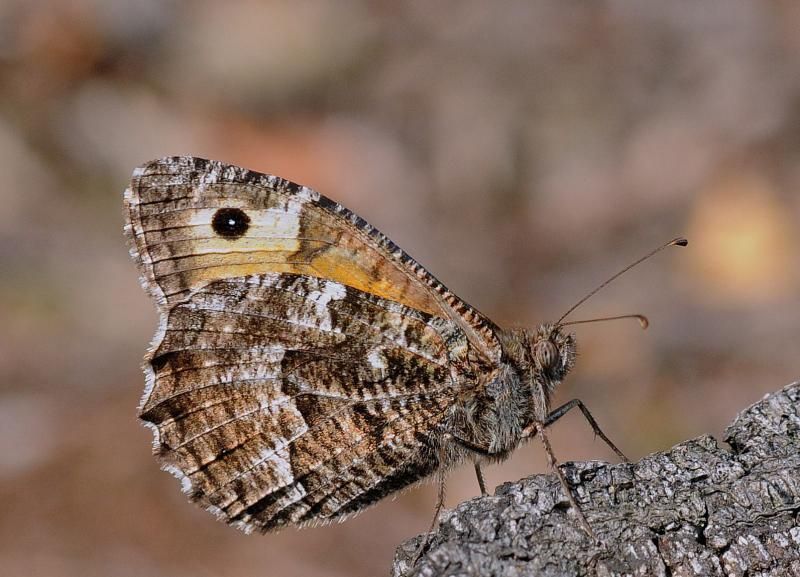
x: 522, y: 151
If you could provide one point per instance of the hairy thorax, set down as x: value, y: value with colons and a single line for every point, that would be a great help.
x: 489, y: 420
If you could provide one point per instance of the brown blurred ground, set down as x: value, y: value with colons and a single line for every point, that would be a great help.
x: 521, y: 151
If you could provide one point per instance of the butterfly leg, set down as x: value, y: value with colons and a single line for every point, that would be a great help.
x: 470, y: 446
x: 439, y: 500
x: 563, y: 409
x: 439, y: 506
x: 481, y: 482
x: 538, y: 430
x: 442, y: 472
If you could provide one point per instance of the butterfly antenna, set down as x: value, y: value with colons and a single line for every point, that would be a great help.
x: 643, y: 320
x: 674, y: 242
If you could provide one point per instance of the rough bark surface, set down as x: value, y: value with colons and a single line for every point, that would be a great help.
x: 698, y: 509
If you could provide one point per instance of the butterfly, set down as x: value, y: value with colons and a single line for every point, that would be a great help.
x: 304, y: 366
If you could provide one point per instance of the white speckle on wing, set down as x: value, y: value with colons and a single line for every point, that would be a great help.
x: 279, y: 464
x: 307, y: 194
x: 210, y: 177
x: 376, y: 359
x: 329, y: 291
x: 336, y: 291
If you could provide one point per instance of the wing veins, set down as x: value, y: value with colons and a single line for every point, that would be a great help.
x: 326, y: 487
x: 372, y: 330
x: 266, y: 458
x: 222, y: 251
x: 276, y: 378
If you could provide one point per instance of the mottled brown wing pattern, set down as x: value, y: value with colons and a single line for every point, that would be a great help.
x: 303, y: 361
x: 282, y: 399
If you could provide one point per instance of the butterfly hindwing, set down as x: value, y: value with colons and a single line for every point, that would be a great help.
x: 283, y: 398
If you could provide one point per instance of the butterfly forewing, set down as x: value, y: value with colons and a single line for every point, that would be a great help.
x: 171, y: 208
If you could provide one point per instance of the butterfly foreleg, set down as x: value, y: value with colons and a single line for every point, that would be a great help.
x: 538, y: 430
x: 563, y: 409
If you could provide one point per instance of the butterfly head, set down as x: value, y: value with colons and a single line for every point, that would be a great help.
x: 552, y: 354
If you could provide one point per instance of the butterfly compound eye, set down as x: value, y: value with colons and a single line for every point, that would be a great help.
x: 231, y: 223
x: 546, y: 354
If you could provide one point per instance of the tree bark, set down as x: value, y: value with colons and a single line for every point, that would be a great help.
x: 697, y: 509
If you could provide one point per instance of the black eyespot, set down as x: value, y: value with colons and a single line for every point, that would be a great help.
x: 231, y: 223
x: 546, y: 354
